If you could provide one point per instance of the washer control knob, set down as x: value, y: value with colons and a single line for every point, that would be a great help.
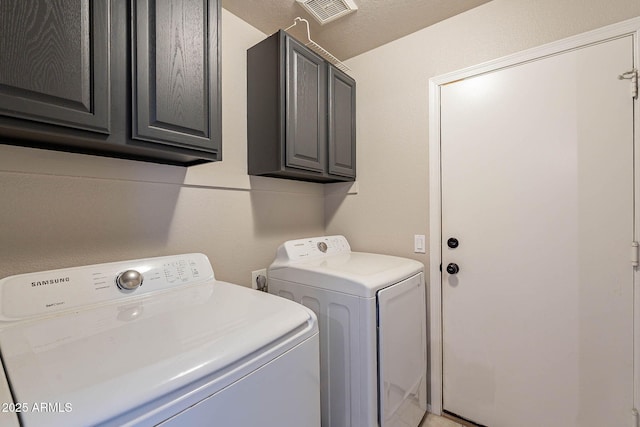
x: 129, y: 280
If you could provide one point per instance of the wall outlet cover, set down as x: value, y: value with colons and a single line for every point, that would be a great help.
x: 254, y: 278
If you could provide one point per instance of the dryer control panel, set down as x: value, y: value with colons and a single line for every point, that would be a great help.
x: 313, y: 247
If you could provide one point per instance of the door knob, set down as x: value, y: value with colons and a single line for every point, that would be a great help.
x: 453, y: 243
x: 453, y: 268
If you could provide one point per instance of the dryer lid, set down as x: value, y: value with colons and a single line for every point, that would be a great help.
x: 96, y: 363
x: 354, y: 273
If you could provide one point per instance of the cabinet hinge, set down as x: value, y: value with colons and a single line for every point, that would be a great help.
x: 634, y: 417
x: 634, y: 254
x: 633, y: 76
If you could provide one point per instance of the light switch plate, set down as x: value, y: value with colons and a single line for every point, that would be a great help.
x: 419, y: 244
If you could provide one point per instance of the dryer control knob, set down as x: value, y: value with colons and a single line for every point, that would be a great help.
x: 129, y: 280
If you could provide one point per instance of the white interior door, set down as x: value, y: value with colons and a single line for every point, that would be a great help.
x: 537, y: 186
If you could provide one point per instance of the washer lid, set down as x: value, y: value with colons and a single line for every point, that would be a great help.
x: 94, y: 364
x: 355, y: 273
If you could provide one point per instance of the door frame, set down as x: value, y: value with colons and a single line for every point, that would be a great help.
x: 624, y: 28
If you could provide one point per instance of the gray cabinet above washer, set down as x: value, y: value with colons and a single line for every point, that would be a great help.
x: 133, y: 79
x: 300, y: 113
x: 55, y: 66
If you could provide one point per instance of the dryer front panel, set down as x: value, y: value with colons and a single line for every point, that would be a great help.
x: 402, y: 352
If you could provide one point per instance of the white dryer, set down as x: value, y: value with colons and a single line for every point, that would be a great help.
x: 371, y: 310
x: 154, y: 341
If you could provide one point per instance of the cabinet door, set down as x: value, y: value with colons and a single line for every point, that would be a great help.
x: 306, y: 107
x: 342, y: 124
x: 55, y: 62
x: 176, y: 93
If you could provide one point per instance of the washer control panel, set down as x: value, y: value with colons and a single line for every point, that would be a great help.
x: 313, y: 247
x: 34, y: 294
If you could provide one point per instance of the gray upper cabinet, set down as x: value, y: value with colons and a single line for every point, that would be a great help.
x: 342, y: 124
x: 54, y: 66
x: 176, y: 58
x: 300, y: 113
x: 305, y: 108
x: 134, y: 79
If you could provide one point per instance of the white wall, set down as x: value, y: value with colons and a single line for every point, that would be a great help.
x: 60, y: 209
x: 392, y: 107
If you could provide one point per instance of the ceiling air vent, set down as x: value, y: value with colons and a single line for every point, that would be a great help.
x: 325, y: 11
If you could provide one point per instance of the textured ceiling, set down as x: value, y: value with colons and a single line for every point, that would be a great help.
x: 375, y: 23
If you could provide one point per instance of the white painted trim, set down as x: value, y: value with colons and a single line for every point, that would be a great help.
x: 435, y: 252
x: 624, y: 28
x: 628, y: 27
x: 636, y: 273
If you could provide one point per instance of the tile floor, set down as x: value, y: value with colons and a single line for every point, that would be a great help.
x: 436, y: 421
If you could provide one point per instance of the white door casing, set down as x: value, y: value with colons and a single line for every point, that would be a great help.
x: 545, y: 228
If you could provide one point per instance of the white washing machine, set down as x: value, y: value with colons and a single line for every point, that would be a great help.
x: 154, y: 341
x: 371, y: 311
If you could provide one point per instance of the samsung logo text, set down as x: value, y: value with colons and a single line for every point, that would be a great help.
x: 50, y: 281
